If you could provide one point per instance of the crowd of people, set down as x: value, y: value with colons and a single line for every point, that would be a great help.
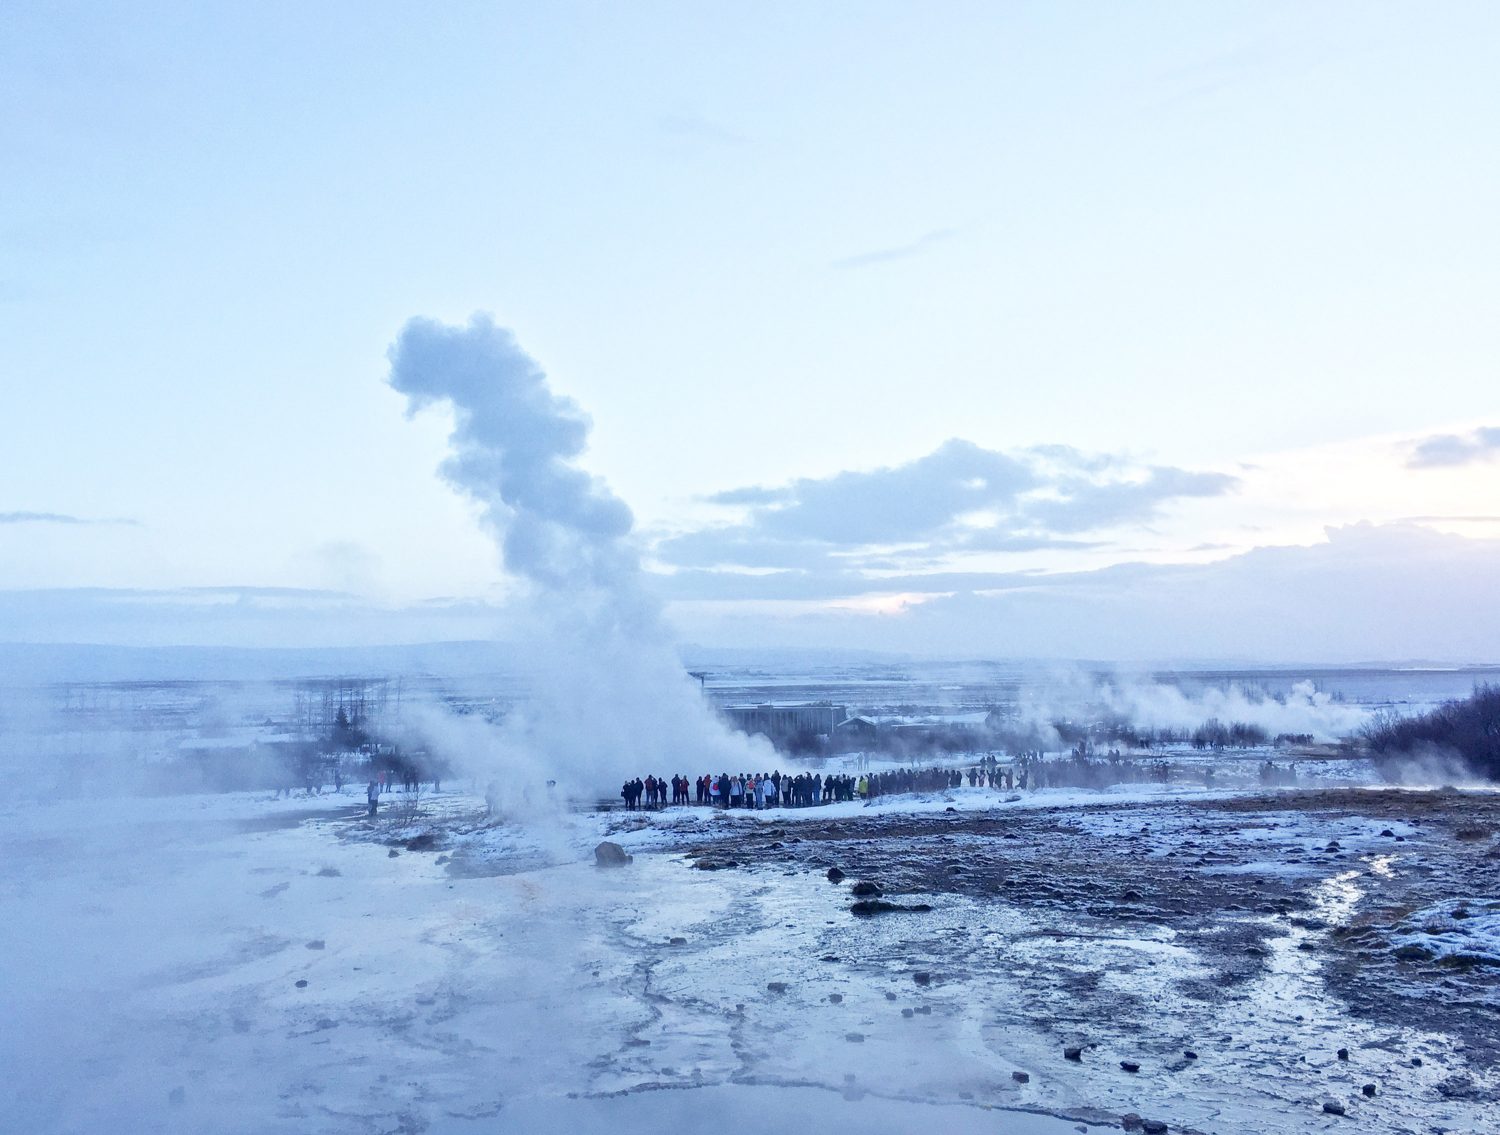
x: 1026, y: 771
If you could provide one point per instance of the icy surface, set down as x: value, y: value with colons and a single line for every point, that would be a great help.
x: 498, y: 980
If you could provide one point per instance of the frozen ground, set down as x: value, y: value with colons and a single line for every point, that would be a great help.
x: 494, y: 979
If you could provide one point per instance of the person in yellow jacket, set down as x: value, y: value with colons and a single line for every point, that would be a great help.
x: 863, y: 788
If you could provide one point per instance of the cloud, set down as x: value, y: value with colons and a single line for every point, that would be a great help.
x: 1368, y: 593
x: 695, y: 128
x: 62, y: 518
x: 1443, y: 450
x: 922, y: 244
x: 959, y: 499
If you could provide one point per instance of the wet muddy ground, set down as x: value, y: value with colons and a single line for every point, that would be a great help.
x: 1237, y: 949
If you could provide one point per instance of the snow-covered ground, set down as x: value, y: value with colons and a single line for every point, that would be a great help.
x: 241, y: 963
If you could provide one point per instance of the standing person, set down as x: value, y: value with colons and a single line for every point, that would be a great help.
x: 372, y: 797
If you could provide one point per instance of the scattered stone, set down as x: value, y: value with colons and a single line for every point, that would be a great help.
x: 716, y: 864
x: 866, y: 890
x: 1073, y: 1052
x: 1369, y: 1090
x: 302, y: 983
x: 836, y: 998
x: 1020, y: 1077
x: 924, y: 1010
x: 677, y: 941
x: 424, y: 842
x: 1131, y: 896
x: 1333, y: 1107
x: 392, y: 853
x: 1342, y: 1054
x: 1130, y: 1066
x: 776, y: 986
x: 922, y: 977
x: 315, y: 944
x: 1190, y: 1054
x: 1416, y: 1062
x: 835, y: 875
x: 1387, y: 833
x: 1153, y: 1127
x: 889, y: 996
x: 1131, y: 1121
x: 906, y: 1012
x: 609, y: 854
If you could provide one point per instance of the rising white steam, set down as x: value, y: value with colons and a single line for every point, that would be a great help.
x: 609, y: 697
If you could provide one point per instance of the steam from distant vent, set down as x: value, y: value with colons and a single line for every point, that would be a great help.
x: 611, y: 699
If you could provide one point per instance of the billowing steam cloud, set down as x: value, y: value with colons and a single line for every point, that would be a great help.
x: 610, y: 698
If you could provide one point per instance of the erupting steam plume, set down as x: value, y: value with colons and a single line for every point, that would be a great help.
x: 610, y: 698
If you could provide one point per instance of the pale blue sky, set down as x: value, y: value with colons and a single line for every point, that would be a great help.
x: 760, y: 244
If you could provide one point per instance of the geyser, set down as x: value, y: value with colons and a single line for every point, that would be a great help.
x: 610, y: 698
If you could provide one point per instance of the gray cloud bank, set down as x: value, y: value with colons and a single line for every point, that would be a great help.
x: 960, y: 498
x: 1370, y: 593
x: 1441, y: 450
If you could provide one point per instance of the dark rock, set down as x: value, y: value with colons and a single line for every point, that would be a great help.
x: 1153, y: 1127
x: 836, y: 998
x: 1190, y: 1054
x: 1131, y: 896
x: 315, y: 944
x: 716, y: 864
x: 1342, y: 1054
x: 855, y: 1038
x: 835, y: 875
x: 1416, y: 1062
x: 441, y: 859
x: 1414, y: 954
x: 889, y: 996
x: 1130, y: 1066
x: 1387, y: 833
x: 1073, y: 1052
x: 776, y: 986
x: 1020, y: 1077
x: 1131, y: 1121
x: 866, y: 907
x: 302, y: 983
x: 1369, y: 1090
x: 424, y: 842
x: 609, y: 854
x: 924, y: 1010
x: 678, y: 941
x: 922, y: 977
x: 392, y: 853
x: 866, y: 890
x: 906, y: 1012
x: 1333, y: 1107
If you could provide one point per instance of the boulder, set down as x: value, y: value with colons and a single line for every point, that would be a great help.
x: 1333, y: 1107
x: 1020, y: 1077
x: 1153, y: 1127
x: 1073, y: 1052
x: 609, y: 854
x: 866, y: 890
x: 1130, y: 1066
x: 835, y: 875
x: 922, y: 977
